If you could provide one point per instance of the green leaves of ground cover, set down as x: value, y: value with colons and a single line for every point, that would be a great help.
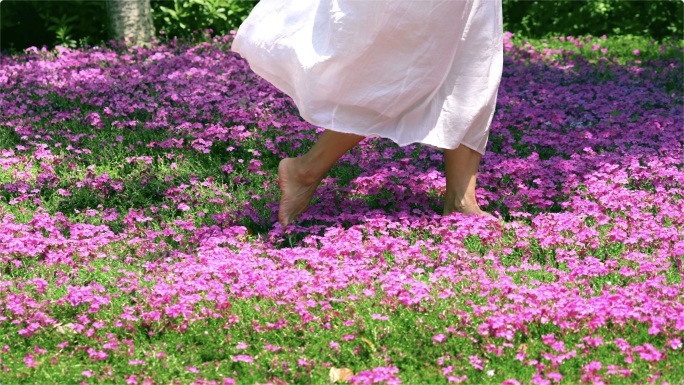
x: 620, y: 47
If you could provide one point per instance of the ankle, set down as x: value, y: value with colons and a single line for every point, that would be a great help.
x: 463, y: 206
x: 303, y: 171
x: 460, y: 200
x: 464, y: 209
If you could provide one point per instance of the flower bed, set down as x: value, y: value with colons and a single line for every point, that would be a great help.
x: 138, y: 240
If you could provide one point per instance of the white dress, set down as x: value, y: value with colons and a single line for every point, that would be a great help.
x: 413, y: 71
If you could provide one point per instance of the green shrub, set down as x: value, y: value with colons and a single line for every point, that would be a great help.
x: 536, y: 19
x: 183, y: 17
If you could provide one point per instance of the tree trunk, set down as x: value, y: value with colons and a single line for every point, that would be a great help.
x: 131, y: 19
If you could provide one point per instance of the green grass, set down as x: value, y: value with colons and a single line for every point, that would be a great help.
x: 621, y: 47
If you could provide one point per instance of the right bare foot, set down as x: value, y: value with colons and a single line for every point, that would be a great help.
x: 296, y: 191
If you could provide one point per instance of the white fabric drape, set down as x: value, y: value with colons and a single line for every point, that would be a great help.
x: 423, y: 71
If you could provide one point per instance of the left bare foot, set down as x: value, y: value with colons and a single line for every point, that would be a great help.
x: 295, y: 191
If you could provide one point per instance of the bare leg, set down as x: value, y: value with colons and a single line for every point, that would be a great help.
x: 299, y: 177
x: 461, y: 166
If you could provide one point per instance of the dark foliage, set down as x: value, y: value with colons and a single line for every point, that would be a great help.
x: 26, y: 23
x: 656, y: 19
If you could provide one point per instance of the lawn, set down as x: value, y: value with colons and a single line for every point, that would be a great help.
x: 139, y: 241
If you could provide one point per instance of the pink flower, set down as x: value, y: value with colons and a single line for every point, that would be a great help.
x: 243, y: 358
x: 476, y: 362
x: 592, y: 366
x: 558, y: 346
x: 439, y: 338
x: 622, y: 344
x: 183, y: 207
x: 381, y: 374
x: 457, y: 380
x: 29, y: 361
x: 555, y: 376
x: 334, y: 345
x: 648, y: 352
x: 87, y: 373
x: 636, y: 52
x: 539, y: 380
x: 241, y: 346
x: 194, y: 369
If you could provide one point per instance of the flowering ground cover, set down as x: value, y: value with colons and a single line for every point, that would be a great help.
x: 139, y: 243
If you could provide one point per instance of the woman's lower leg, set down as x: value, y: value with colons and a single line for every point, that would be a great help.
x: 299, y: 177
x: 461, y: 165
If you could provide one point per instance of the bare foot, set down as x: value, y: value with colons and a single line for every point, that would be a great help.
x: 296, y: 191
x: 468, y: 208
x: 466, y: 211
